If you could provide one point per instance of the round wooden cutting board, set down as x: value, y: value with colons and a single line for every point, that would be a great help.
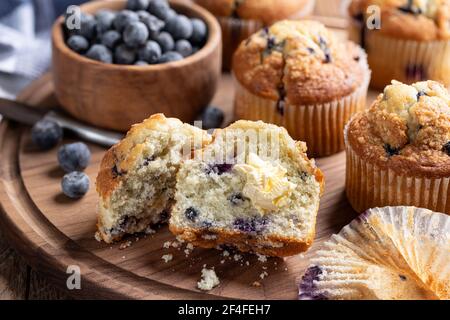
x: 53, y: 232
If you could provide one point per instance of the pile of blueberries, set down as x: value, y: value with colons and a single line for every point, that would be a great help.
x: 73, y: 158
x: 146, y: 32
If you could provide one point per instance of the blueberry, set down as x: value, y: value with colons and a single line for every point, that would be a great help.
x: 88, y: 26
x: 124, y: 55
x: 150, y: 52
x: 253, y: 225
x: 170, y: 56
x: 46, y: 134
x: 199, y: 32
x: 153, y: 24
x: 180, y: 27
x: 136, y: 5
x: 165, y: 41
x: 390, y: 151
x: 111, y: 38
x: 183, y: 47
x: 219, y: 169
x: 308, y: 285
x: 141, y: 63
x: 78, y: 43
x: 74, y: 157
x: 105, y: 20
x: 212, y: 118
x: 170, y: 14
x: 75, y: 184
x: 100, y: 53
x: 124, y: 18
x: 446, y: 148
x: 191, y: 214
x: 159, y: 8
x: 237, y: 199
x: 135, y: 34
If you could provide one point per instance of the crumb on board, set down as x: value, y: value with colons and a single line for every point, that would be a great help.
x: 167, y: 244
x: 125, y: 245
x: 237, y: 257
x: 225, y: 253
x: 261, y: 258
x: 209, y: 280
x: 167, y: 257
x: 263, y: 275
x: 190, y: 246
x: 98, y: 237
x: 149, y: 231
x: 256, y: 284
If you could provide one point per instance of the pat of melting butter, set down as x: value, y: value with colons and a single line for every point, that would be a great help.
x: 267, y: 185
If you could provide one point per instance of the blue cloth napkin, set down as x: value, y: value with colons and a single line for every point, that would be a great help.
x: 25, y: 47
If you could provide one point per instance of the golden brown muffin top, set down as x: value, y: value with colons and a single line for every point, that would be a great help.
x: 421, y: 20
x: 267, y: 11
x: 407, y: 129
x: 299, y: 62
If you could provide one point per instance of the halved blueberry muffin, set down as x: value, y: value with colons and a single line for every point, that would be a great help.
x: 136, y: 181
x: 252, y: 188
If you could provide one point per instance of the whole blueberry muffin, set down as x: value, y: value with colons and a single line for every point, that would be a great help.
x: 411, y: 44
x: 241, y: 18
x: 298, y: 75
x: 398, y: 151
x: 391, y: 253
x: 136, y: 181
x: 253, y: 188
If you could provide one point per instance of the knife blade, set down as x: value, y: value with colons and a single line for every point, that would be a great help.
x: 22, y: 113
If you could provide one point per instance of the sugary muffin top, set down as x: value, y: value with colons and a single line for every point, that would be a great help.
x: 407, y: 128
x: 299, y: 62
x: 267, y: 11
x: 422, y: 20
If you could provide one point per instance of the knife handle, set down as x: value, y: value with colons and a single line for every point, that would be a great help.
x: 98, y: 136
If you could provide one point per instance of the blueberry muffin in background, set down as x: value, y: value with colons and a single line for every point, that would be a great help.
x: 136, y: 181
x: 398, y: 151
x: 299, y: 75
x: 391, y: 253
x: 241, y: 18
x: 413, y: 43
x: 253, y: 188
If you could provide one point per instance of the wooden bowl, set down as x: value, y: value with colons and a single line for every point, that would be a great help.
x: 117, y: 96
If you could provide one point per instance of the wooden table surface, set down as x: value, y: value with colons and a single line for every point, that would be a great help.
x: 18, y: 281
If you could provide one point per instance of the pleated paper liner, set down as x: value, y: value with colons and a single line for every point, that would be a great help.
x: 386, y: 253
x: 407, y: 61
x: 321, y: 126
x: 369, y: 186
x: 235, y: 30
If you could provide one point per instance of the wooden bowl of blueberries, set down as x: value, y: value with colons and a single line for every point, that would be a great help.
x: 120, y: 61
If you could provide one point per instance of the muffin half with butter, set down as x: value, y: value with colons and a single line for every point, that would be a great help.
x: 398, y: 151
x: 299, y: 75
x: 406, y: 40
x: 241, y: 18
x: 253, y: 188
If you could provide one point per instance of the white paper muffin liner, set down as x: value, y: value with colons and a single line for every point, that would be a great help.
x: 407, y: 61
x: 386, y: 253
x: 235, y: 30
x: 369, y: 186
x: 321, y: 126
